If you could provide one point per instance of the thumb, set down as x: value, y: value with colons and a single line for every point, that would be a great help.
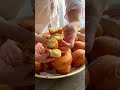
x: 40, y: 39
x: 43, y: 57
x: 65, y: 44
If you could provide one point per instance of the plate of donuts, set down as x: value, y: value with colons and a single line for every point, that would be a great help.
x: 66, y: 62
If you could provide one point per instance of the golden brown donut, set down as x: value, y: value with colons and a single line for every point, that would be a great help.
x: 63, y: 61
x: 38, y: 67
x: 76, y: 38
x: 78, y: 45
x: 47, y: 65
x: 78, y: 57
x: 64, y: 70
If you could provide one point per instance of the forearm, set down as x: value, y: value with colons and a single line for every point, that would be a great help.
x: 74, y: 9
x: 14, y: 32
x: 74, y: 16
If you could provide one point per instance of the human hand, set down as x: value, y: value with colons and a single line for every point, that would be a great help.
x: 13, y: 70
x: 70, y: 32
x: 40, y: 54
x: 40, y: 39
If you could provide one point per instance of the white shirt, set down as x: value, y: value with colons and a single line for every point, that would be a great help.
x: 55, y: 16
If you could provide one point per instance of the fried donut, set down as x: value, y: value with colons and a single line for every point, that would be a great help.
x: 64, y: 70
x: 76, y: 38
x: 47, y: 66
x: 63, y: 61
x: 82, y: 30
x: 55, y: 30
x: 78, y: 57
x: 38, y: 67
x: 78, y: 45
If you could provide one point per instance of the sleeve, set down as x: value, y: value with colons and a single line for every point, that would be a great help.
x: 74, y: 4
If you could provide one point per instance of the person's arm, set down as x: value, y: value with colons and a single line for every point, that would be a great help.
x: 14, y: 32
x: 73, y: 14
x: 73, y: 11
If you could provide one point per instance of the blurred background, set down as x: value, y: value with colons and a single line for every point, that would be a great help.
x: 27, y: 11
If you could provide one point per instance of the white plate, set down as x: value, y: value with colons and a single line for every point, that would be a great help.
x: 57, y: 76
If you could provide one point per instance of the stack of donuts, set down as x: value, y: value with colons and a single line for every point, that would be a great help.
x: 64, y: 58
